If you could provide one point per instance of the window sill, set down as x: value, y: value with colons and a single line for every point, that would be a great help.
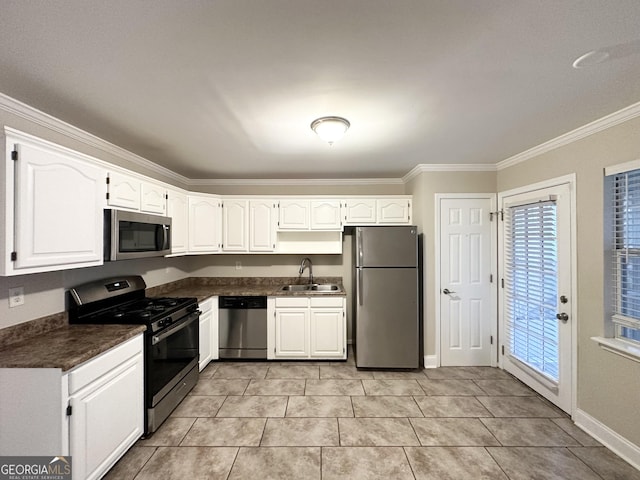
x: 619, y: 347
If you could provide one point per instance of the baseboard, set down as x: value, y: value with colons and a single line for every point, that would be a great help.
x: 430, y: 361
x: 615, y: 442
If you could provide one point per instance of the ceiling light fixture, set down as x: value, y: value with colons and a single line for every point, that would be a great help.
x: 330, y: 129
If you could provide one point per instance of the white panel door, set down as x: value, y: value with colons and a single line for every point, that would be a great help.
x: 204, y: 224
x: 124, y: 191
x: 235, y: 225
x: 262, y: 226
x: 327, y: 332
x: 58, y: 210
x: 465, y: 282
x: 536, y: 301
x: 153, y: 198
x: 325, y: 215
x: 292, y: 333
x: 178, y: 210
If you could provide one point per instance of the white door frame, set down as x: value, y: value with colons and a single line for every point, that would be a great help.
x: 553, y: 182
x: 494, y: 272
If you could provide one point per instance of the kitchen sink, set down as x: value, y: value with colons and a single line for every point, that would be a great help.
x: 312, y: 287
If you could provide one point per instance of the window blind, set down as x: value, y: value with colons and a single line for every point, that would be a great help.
x: 626, y: 252
x: 531, y: 286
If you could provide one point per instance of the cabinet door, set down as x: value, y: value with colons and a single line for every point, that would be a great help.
x: 214, y: 328
x: 235, y: 225
x: 360, y: 211
x: 58, y: 210
x: 178, y: 210
x: 394, y: 210
x: 115, y: 400
x: 124, y: 191
x: 205, y: 339
x: 325, y: 215
x: 327, y: 333
x: 153, y: 198
x: 294, y: 215
x: 204, y: 224
x: 292, y: 333
x: 262, y: 226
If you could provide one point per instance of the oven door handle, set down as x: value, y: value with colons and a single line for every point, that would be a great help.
x: 175, y: 328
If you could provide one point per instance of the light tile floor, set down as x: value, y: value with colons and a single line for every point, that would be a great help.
x: 276, y: 420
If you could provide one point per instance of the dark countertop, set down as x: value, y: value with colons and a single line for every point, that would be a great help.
x: 66, y: 347
x: 203, y: 288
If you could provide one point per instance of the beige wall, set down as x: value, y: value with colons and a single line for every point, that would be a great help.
x: 424, y: 188
x: 608, y: 385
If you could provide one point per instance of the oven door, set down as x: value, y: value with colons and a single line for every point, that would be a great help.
x: 171, y: 354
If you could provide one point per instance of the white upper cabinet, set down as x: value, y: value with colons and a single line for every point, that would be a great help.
x: 52, y: 207
x: 153, y: 198
x: 314, y: 214
x: 394, y: 210
x: 235, y: 225
x: 262, y: 225
x: 325, y: 215
x: 360, y: 211
x: 249, y: 225
x: 294, y: 214
x: 135, y: 193
x: 123, y: 191
x: 204, y: 223
x: 178, y: 210
x: 377, y: 210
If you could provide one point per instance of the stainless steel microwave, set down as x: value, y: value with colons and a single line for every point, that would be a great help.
x: 135, y: 235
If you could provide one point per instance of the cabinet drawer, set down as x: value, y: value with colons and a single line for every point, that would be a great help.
x: 326, y: 302
x: 292, y: 302
x: 102, y: 364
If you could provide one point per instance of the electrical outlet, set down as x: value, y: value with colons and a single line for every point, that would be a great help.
x: 238, y: 265
x: 16, y: 297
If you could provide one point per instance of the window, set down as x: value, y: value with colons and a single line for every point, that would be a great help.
x: 625, y: 247
x: 531, y: 290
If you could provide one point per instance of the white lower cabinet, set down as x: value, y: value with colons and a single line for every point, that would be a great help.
x: 208, y: 331
x: 94, y: 412
x: 306, y: 328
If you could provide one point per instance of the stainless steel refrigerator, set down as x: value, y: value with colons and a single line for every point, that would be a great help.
x: 386, y: 299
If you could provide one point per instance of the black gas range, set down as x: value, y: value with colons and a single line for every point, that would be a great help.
x: 171, y: 339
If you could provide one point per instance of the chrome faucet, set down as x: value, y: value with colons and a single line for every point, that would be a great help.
x: 306, y: 261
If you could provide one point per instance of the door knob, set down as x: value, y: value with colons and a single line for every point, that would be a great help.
x: 446, y: 291
x: 563, y: 317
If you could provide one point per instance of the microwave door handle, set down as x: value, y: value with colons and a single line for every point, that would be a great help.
x: 161, y: 237
x: 165, y: 237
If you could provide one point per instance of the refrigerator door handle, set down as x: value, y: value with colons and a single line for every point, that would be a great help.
x: 360, y: 251
x: 359, y: 286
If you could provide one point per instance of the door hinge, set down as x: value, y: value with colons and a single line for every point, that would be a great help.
x: 107, y: 180
x: 491, y: 278
x: 14, y: 256
x: 491, y: 340
x: 502, y: 215
x: 166, y: 196
x: 14, y: 155
x: 69, y: 410
x: 502, y: 282
x: 107, y: 195
x: 502, y: 349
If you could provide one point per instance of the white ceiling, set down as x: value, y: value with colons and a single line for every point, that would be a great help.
x: 228, y: 88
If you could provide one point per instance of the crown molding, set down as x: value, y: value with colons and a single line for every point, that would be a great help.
x: 22, y: 110
x: 621, y: 116
x: 446, y: 167
x: 294, y: 181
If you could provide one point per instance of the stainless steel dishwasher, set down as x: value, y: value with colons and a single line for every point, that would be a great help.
x: 242, y: 327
